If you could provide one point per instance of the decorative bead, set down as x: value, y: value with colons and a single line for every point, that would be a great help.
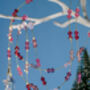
x: 16, y: 48
x: 20, y: 57
x: 76, y: 32
x: 69, y: 16
x: 42, y: 79
x: 26, y: 67
x: 16, y: 10
x: 55, y: 89
x: 27, y: 45
x: 44, y: 83
x: 79, y: 78
x: 71, y: 55
x: 76, y: 37
x: 37, y: 60
x: 69, y: 11
x: 14, y: 14
x: 69, y: 73
x: 34, y: 42
x: 77, y: 10
x: 28, y: 1
x: 9, y: 53
x: 89, y: 34
x: 19, y: 71
x: 70, y: 32
x: 67, y: 76
x: 76, y: 15
x: 24, y: 17
x: 50, y: 70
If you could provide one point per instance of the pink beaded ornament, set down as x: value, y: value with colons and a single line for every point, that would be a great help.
x: 24, y: 17
x: 38, y: 62
x: 27, y: 45
x: 79, y: 78
x: 69, y: 14
x: 34, y: 42
x: 9, y: 53
x: 19, y: 71
x: 43, y: 80
x: 89, y: 34
x: 71, y: 55
x: 77, y: 12
x: 28, y: 1
x: 76, y: 34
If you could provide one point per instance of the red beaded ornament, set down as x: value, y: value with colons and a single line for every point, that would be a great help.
x: 43, y: 80
x: 76, y: 34
x: 34, y: 42
x: 69, y: 14
x: 70, y: 34
x: 77, y: 12
x: 28, y: 1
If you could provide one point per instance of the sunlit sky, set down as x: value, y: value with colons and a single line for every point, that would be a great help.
x: 53, y: 44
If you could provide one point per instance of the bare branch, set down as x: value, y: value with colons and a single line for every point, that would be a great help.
x: 64, y: 7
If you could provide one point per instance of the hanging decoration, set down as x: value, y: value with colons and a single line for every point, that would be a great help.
x: 25, y: 59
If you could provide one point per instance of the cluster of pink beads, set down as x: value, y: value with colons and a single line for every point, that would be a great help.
x: 68, y: 76
x: 50, y: 70
x: 28, y: 1
x: 69, y: 14
x: 31, y: 86
x: 27, y: 45
x: 34, y: 42
x: 38, y: 62
x: 79, y: 53
x: 26, y: 67
x: 79, y: 78
x: 17, y: 53
x: 9, y: 53
x: 43, y: 80
x: 71, y: 55
x: 77, y: 12
x: 10, y: 38
x: 76, y: 34
x: 89, y: 34
x: 19, y: 71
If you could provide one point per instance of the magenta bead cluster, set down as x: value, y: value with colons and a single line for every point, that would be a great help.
x: 76, y: 34
x: 28, y: 1
x: 17, y: 53
x: 77, y: 12
x: 31, y: 86
x: 50, y: 70
x: 19, y: 71
x: 69, y: 14
x: 68, y: 76
x: 38, y: 62
x: 89, y: 34
x: 79, y: 78
x: 27, y: 45
x: 70, y: 34
x: 34, y: 42
x: 9, y: 53
x: 43, y: 80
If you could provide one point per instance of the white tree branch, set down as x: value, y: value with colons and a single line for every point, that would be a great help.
x: 80, y: 20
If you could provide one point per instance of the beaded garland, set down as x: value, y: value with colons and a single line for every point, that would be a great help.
x: 19, y: 56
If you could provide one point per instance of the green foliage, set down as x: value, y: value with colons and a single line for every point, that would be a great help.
x: 84, y: 69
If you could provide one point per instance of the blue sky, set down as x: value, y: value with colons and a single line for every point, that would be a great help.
x: 53, y: 44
